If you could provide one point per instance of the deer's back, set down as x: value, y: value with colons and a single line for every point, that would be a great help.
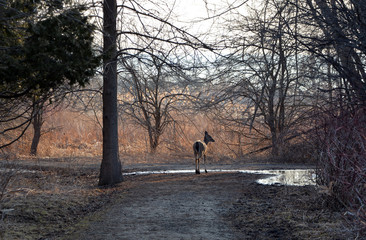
x: 199, y: 148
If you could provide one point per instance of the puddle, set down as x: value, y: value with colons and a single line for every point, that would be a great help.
x: 293, y: 177
x: 289, y: 177
x: 160, y: 172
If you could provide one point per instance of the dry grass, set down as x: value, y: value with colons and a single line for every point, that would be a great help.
x: 46, y: 203
x: 68, y: 134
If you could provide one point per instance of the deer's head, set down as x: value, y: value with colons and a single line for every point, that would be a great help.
x: 208, y: 138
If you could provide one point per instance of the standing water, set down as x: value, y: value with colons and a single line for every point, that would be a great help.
x: 289, y: 177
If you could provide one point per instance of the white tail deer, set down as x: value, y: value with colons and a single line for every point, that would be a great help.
x: 200, y: 149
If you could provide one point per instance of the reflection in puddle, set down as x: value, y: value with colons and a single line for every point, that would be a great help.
x: 158, y: 172
x: 290, y: 177
x: 294, y: 177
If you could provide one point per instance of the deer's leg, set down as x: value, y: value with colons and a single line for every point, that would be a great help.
x: 204, y: 162
x: 198, y: 166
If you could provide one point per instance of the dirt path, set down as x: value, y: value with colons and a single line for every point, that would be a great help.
x: 171, y: 207
x: 213, y: 206
x: 64, y: 203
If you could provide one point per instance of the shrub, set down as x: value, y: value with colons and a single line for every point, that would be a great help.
x: 342, y: 162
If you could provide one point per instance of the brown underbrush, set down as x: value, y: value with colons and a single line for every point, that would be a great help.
x: 71, y: 134
x: 342, y: 163
x: 44, y: 202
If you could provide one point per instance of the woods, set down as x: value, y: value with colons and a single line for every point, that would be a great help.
x: 283, y: 80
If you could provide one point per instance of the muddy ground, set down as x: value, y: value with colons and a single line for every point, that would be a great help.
x: 50, y: 202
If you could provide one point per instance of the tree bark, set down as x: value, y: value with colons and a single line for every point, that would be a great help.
x: 110, y: 170
x: 37, y: 125
x: 154, y: 141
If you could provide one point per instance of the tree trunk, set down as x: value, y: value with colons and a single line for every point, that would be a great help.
x: 275, y: 146
x: 154, y: 143
x: 153, y: 140
x: 240, y: 150
x: 37, y: 125
x: 110, y: 170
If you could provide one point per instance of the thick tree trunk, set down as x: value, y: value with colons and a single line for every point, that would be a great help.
x: 153, y: 140
x: 154, y: 143
x: 110, y: 170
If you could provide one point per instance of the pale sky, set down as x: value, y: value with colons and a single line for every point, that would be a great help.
x: 192, y: 13
x: 199, y: 14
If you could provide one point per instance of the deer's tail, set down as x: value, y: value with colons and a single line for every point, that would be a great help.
x: 197, y: 147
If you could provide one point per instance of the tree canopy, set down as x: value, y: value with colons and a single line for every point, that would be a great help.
x: 44, y: 46
x: 43, y: 49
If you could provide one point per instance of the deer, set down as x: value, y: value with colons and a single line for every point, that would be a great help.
x: 200, y: 149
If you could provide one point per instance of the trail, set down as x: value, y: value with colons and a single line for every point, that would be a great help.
x: 184, y: 206
x: 169, y: 205
x: 212, y: 206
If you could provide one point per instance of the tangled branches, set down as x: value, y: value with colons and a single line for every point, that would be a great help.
x: 342, y: 162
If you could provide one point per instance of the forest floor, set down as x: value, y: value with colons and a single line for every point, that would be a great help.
x: 59, y: 199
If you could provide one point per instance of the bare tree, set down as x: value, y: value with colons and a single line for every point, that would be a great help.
x: 335, y: 32
x: 154, y: 87
x: 265, y: 73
